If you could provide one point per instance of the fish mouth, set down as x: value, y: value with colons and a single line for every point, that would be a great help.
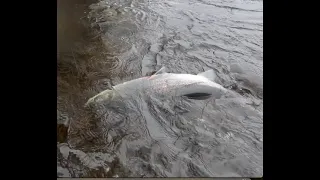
x: 206, y: 95
x: 202, y: 92
x: 198, y: 96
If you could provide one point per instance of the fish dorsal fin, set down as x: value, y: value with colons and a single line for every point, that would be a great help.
x: 161, y: 71
x: 210, y: 74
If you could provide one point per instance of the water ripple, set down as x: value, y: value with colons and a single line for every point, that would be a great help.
x: 148, y: 136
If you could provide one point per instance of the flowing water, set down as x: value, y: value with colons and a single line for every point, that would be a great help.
x: 108, y: 42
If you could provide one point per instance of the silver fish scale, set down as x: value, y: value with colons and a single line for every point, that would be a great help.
x: 168, y: 84
x: 162, y: 84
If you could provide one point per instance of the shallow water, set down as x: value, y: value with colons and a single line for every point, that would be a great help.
x: 109, y: 42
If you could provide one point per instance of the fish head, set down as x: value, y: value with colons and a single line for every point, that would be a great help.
x: 203, y: 90
x: 200, y: 86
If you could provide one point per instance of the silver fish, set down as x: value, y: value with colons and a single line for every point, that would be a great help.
x: 200, y: 86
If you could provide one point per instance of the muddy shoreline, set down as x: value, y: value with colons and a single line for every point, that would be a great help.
x: 77, y: 46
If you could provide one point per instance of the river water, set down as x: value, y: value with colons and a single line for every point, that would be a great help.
x: 104, y: 43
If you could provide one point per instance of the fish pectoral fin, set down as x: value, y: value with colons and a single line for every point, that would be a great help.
x: 209, y: 74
